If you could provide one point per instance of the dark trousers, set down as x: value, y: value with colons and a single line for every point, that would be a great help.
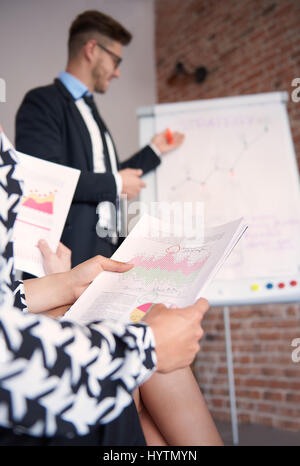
x: 123, y: 431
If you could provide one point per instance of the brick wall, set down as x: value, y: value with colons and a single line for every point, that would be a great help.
x: 248, y: 47
x: 267, y: 380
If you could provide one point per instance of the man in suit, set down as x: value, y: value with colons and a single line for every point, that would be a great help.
x: 61, y: 123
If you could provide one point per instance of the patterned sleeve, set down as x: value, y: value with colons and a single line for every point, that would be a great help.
x: 60, y: 378
x: 19, y: 295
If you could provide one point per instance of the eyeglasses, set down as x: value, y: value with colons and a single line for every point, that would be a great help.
x: 116, y: 58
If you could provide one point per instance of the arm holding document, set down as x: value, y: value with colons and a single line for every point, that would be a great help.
x: 176, y: 333
x: 62, y: 289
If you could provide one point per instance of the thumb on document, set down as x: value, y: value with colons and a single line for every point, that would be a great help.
x: 111, y: 265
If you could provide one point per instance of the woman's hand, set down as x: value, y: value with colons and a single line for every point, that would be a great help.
x: 58, y: 290
x: 55, y: 262
x: 83, y: 274
x: 80, y: 277
x: 177, y: 333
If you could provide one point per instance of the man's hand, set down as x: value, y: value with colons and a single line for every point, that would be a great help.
x: 55, y: 262
x: 131, y: 182
x: 163, y: 145
x: 177, y: 333
x: 83, y: 274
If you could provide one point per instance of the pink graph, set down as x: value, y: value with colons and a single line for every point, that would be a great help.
x: 169, y: 263
x: 42, y: 203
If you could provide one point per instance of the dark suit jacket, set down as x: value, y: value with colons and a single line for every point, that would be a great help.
x: 49, y: 126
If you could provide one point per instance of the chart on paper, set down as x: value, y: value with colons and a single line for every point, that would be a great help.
x: 48, y: 190
x: 169, y: 271
x: 40, y: 201
x: 166, y: 275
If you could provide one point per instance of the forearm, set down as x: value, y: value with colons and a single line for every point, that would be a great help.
x: 146, y: 159
x: 40, y: 296
x: 95, y: 187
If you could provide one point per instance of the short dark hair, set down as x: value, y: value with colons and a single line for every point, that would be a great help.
x: 92, y: 21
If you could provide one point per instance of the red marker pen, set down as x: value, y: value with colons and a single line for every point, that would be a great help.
x: 169, y: 136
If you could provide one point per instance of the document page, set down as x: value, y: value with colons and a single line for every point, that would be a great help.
x: 48, y: 189
x: 167, y: 269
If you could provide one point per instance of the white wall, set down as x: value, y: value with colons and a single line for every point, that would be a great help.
x: 33, y: 49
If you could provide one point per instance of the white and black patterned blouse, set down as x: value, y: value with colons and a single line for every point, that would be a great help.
x: 59, y: 378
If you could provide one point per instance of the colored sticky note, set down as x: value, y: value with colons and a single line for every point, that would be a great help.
x: 255, y: 287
